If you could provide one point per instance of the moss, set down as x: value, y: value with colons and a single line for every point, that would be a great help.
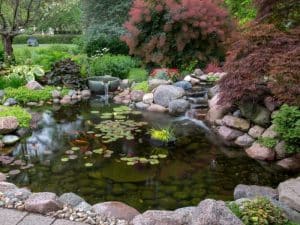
x: 21, y: 114
x: 138, y: 75
x: 267, y: 142
x: 143, y: 86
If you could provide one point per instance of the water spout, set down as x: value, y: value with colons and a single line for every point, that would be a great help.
x: 106, y: 89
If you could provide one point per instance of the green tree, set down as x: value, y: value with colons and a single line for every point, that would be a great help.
x: 243, y: 10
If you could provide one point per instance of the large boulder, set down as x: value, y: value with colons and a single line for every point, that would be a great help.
x: 289, y: 193
x: 256, y: 113
x: 229, y: 134
x: 154, y: 83
x: 258, y: 152
x: 253, y: 191
x: 8, y: 124
x: 164, y: 94
x: 158, y: 217
x: 212, y: 212
x: 116, y: 210
x: 137, y: 96
x: 70, y: 199
x: 178, y: 106
x: 34, y: 85
x: 236, y: 123
x: 183, y: 84
x: 157, y: 108
x: 5, y: 186
x: 292, y: 163
x: 43, y: 202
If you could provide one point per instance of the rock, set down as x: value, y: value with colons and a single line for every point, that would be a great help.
x: 229, y: 134
x: 289, y: 213
x: 164, y: 94
x: 213, y: 91
x: 86, y: 94
x: 154, y: 83
x: 258, y: 152
x: 157, y: 108
x: 56, y: 101
x: 142, y: 106
x: 256, y: 113
x: 66, y: 100
x: 253, y: 191
x: 10, y: 102
x: 280, y: 150
x: 244, y: 141
x: 217, y: 110
x: 5, y: 186
x: 158, y: 217
x: 237, y: 113
x: 186, y: 214
x: 10, y: 139
x: 2, y: 177
x: 289, y: 193
x: 198, y: 72
x: 1, y: 144
x: 22, y: 132
x: 270, y: 132
x: 34, y: 85
x: 148, y: 98
x: 184, y: 85
x: 43, y: 202
x: 203, y: 77
x: 72, y: 92
x: 137, y: 96
x: 70, y: 199
x: 83, y: 207
x: 56, y: 94
x: 117, y: 210
x: 237, y: 123
x: 12, y: 173
x: 178, y: 106
x: 292, y: 163
x: 125, y: 84
x: 256, y: 131
x: 8, y: 124
x: 270, y: 103
x: 215, y: 213
x: 19, y: 193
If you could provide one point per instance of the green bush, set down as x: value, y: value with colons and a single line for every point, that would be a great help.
x: 243, y: 10
x: 13, y: 81
x: 287, y: 125
x: 47, y: 39
x: 1, y: 53
x: 114, y: 65
x: 267, y: 142
x: 143, y: 86
x: 21, y: 114
x: 138, y: 75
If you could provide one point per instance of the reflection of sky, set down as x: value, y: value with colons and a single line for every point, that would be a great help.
x: 50, y: 137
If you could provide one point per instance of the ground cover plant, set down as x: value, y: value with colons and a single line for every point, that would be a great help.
x: 21, y: 114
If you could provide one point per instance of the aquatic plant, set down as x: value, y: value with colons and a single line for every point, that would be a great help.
x: 164, y: 135
x: 21, y: 114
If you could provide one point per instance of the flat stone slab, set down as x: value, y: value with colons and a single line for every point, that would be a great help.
x: 67, y: 222
x: 33, y: 219
x: 11, y: 217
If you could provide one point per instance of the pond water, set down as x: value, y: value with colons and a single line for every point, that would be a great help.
x: 85, y: 149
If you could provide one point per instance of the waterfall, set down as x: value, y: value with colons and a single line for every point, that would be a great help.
x: 106, y: 89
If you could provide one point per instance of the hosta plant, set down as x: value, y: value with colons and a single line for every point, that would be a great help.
x: 29, y: 73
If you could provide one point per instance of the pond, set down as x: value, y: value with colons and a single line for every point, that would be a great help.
x: 88, y: 149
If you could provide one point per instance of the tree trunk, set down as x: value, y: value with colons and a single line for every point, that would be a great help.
x: 8, y: 48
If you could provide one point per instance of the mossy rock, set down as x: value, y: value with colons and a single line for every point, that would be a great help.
x: 256, y: 113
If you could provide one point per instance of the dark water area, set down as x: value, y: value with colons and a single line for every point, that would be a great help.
x: 195, y: 168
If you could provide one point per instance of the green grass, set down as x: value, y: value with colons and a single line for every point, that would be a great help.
x: 21, y: 114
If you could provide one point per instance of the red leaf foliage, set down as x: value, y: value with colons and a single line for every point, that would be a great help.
x: 168, y: 32
x: 264, y: 61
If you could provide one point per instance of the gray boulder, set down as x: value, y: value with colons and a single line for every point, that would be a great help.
x: 137, y: 96
x: 10, y: 102
x: 253, y: 191
x: 236, y: 123
x: 289, y: 193
x: 256, y: 113
x: 183, y: 84
x: 141, y: 105
x: 178, y: 106
x: 244, y: 141
x: 229, y: 134
x: 5, y: 186
x: 70, y: 199
x: 164, y: 94
x: 158, y: 217
x: 8, y: 124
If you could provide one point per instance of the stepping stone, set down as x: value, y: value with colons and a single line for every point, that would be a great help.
x: 11, y: 217
x: 33, y: 219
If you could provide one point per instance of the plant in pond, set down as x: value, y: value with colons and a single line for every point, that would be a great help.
x: 164, y: 135
x: 143, y: 86
x: 173, y: 33
x: 152, y: 160
x: 138, y: 75
x: 21, y: 114
x: 267, y: 142
x: 287, y: 124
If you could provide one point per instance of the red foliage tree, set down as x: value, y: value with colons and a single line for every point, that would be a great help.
x: 172, y: 32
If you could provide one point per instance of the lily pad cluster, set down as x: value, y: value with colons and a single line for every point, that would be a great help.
x: 152, y: 160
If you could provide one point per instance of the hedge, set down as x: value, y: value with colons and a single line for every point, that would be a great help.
x: 47, y: 39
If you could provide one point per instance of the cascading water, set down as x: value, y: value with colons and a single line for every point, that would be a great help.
x: 106, y: 95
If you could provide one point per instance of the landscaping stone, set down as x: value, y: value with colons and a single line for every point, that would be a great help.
x: 5, y: 186
x: 270, y: 132
x: 8, y: 124
x: 229, y: 134
x: 137, y: 96
x: 86, y: 94
x: 141, y: 105
x: 270, y: 103
x: 256, y: 131
x: 213, y: 91
x: 20, y: 194
x: 164, y: 94
x: 186, y: 214
x: 56, y: 94
x: 236, y: 123
x: 216, y: 110
x: 280, y: 150
x: 198, y: 72
x: 2, y: 177
x: 289, y: 193
x: 34, y: 219
x: 158, y: 217
x: 70, y: 199
x: 290, y: 214
x: 292, y: 163
x: 154, y: 83
x: 117, y: 210
x: 66, y: 100
x: 184, y: 85
x: 256, y: 113
x: 253, y: 191
x: 215, y: 213
x: 258, y: 152
x: 244, y: 141
x: 148, y: 98
x: 157, y: 108
x: 34, y: 85
x: 10, y: 102
x: 10, y: 139
x: 43, y: 203
x: 178, y: 106
x: 83, y: 207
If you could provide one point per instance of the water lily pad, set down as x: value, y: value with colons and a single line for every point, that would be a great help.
x: 154, y: 161
x: 73, y: 157
x: 75, y: 148
x: 69, y: 152
x: 131, y: 163
x: 88, y: 164
x: 94, y: 112
x: 64, y: 159
x: 98, y: 151
x: 162, y: 156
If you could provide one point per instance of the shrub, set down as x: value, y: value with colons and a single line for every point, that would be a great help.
x: 11, y: 80
x: 114, y: 65
x: 254, y: 71
x: 138, y: 75
x: 166, y: 74
x: 170, y: 32
x: 47, y: 39
x: 21, y: 114
x: 267, y: 142
x: 287, y: 124
x: 261, y: 211
x: 143, y: 86
x: 213, y: 67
